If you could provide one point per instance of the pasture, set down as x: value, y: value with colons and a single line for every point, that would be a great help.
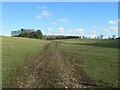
x: 98, y: 59
x: 16, y: 54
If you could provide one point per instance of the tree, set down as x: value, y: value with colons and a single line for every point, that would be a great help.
x: 109, y: 37
x: 32, y: 35
x: 22, y: 30
x: 98, y: 37
x: 13, y: 33
x: 83, y: 37
x: 113, y: 36
x: 101, y: 36
x: 38, y: 34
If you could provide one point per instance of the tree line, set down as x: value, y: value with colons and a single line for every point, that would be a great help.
x: 54, y: 37
x: 31, y: 33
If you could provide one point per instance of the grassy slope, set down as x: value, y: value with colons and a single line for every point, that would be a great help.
x: 0, y: 63
x: 17, y: 52
x: 99, y: 58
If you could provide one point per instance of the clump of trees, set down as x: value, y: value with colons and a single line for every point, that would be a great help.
x: 28, y: 33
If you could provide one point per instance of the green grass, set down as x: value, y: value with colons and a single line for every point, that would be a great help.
x: 0, y: 62
x: 17, y: 52
x: 99, y: 58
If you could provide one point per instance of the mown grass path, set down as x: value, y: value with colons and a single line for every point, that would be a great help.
x: 52, y: 69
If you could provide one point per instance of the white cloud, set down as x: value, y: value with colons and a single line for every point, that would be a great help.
x: 76, y: 31
x: 61, y: 29
x: 79, y: 30
x: 43, y: 14
x: 49, y: 29
x: 113, y: 22
x: 63, y: 20
x: 111, y: 29
x: 93, y: 34
x: 41, y: 7
x: 4, y: 27
x: 1, y: 26
x: 96, y: 27
x: 70, y: 31
x: 53, y: 23
x: 39, y: 17
x: 106, y: 30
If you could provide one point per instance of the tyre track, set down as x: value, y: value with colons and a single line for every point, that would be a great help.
x: 52, y: 69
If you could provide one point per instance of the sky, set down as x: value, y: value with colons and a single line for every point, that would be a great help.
x: 90, y: 19
x: 60, y: 0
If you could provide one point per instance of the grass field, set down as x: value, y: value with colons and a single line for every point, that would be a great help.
x: 98, y: 58
x: 16, y: 53
x: 0, y: 62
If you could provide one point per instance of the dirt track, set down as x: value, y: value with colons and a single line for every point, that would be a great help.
x: 52, y: 70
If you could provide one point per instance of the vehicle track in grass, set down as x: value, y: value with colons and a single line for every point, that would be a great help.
x: 52, y: 69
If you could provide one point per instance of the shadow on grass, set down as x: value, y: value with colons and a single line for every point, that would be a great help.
x: 109, y: 45
x: 101, y: 44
